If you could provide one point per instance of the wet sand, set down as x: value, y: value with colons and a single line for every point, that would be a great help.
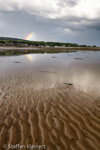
x: 52, y: 100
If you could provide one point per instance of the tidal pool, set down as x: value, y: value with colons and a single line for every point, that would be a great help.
x: 79, y: 69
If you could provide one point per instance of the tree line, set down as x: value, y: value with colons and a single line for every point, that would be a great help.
x: 16, y: 42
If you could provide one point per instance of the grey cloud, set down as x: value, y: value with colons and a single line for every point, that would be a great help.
x: 93, y: 25
x: 68, y: 2
x: 52, y: 21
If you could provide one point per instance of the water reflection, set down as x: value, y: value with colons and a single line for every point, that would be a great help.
x: 43, y: 71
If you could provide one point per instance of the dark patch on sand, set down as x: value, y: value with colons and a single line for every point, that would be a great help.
x: 47, y: 71
x: 54, y: 57
x: 17, y: 62
x: 79, y: 58
x: 68, y: 83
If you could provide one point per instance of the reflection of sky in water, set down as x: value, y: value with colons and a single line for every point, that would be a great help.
x: 38, y: 71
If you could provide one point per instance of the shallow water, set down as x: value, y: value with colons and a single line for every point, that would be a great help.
x: 43, y: 71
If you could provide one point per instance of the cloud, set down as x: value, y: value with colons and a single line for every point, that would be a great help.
x: 51, y: 19
x: 54, y: 8
x: 73, y: 14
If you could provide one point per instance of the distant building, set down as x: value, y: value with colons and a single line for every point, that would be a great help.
x: 41, y: 46
x: 2, y: 44
x: 47, y: 46
x: 21, y: 45
x: 9, y: 44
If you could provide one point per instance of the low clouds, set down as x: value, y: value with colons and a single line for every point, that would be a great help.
x: 54, y: 8
x: 63, y: 20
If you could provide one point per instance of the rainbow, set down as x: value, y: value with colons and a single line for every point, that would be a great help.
x: 29, y: 36
x: 29, y: 56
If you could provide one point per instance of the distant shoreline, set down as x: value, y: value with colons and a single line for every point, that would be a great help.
x: 8, y: 50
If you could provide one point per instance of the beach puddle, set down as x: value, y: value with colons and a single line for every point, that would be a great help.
x: 40, y: 71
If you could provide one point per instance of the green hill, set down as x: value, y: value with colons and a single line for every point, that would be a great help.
x: 9, y: 38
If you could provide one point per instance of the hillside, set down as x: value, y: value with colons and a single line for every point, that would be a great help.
x: 9, y: 38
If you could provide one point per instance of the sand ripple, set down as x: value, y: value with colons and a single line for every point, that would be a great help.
x: 61, y: 118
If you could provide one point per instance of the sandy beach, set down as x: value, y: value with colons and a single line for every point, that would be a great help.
x: 50, y: 100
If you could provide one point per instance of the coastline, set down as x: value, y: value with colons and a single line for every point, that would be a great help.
x: 6, y: 50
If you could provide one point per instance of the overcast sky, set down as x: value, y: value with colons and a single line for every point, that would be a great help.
x: 74, y: 21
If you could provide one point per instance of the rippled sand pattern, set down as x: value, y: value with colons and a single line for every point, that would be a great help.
x: 62, y: 118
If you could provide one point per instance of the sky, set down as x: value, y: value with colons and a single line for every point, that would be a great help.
x: 73, y: 21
